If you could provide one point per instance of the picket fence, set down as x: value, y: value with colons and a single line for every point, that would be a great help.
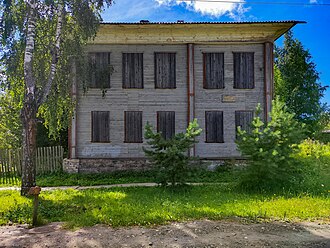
x: 48, y: 160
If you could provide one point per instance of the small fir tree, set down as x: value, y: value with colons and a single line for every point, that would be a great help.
x: 170, y: 156
x: 269, y: 148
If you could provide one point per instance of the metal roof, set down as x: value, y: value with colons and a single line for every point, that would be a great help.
x: 181, y: 22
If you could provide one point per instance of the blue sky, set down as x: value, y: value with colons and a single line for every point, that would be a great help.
x: 315, y: 35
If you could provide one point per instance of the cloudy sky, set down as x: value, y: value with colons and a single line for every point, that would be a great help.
x: 315, y: 35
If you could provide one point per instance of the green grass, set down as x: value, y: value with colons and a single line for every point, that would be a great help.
x: 156, y: 205
x: 65, y: 179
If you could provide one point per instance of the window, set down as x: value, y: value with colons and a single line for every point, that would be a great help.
x: 244, y: 70
x: 166, y: 123
x: 100, y: 126
x: 213, y: 70
x: 133, y: 126
x: 214, y: 126
x: 133, y: 70
x: 100, y: 70
x: 165, y: 71
x: 243, y: 119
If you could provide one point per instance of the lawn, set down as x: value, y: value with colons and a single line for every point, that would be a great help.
x: 120, y: 177
x: 157, y: 205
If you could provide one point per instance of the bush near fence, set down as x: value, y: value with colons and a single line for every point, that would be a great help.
x: 48, y: 160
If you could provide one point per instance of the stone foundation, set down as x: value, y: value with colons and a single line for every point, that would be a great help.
x: 104, y: 165
x: 71, y: 165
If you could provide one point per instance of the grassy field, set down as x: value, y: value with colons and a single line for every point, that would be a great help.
x: 65, y: 179
x: 156, y: 205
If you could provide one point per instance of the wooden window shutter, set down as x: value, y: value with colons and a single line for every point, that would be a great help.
x: 100, y: 126
x: 214, y: 126
x: 243, y: 119
x: 132, y: 70
x: 166, y: 123
x: 165, y: 71
x: 133, y: 126
x: 244, y: 70
x: 99, y: 70
x: 214, y: 75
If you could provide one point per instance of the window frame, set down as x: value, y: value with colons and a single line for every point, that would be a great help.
x: 126, y: 126
x: 92, y: 60
x: 159, y: 125
x: 242, y: 67
x: 157, y: 86
x: 207, y: 127
x: 205, y: 70
x: 129, y: 57
x: 93, y: 126
x: 236, y: 120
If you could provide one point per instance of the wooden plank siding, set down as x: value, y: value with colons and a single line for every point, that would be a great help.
x: 243, y: 70
x: 243, y: 119
x: 213, y: 70
x: 166, y: 123
x: 100, y: 126
x: 132, y: 70
x: 151, y: 100
x: 165, y: 66
x: 212, y: 99
x: 99, y: 70
x: 213, y: 126
x: 133, y: 126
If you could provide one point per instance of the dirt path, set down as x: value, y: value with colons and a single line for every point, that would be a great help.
x: 189, y: 234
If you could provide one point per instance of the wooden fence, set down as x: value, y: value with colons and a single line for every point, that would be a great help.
x: 48, y: 160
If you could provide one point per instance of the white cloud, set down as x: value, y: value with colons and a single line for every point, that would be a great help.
x: 312, y: 1
x: 212, y: 8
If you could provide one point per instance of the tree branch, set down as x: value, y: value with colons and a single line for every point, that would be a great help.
x: 55, y: 53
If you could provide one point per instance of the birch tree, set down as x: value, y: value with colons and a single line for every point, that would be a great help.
x: 40, y: 41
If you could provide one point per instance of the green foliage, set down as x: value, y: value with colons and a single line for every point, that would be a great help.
x: 269, y: 148
x: 158, y: 205
x: 80, y: 22
x: 170, y: 157
x: 297, y: 83
x: 314, y: 156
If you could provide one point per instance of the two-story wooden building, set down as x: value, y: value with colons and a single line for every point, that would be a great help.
x: 167, y: 74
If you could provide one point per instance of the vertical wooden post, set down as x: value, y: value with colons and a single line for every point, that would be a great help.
x: 191, y: 87
x: 268, y: 78
x: 73, y: 127
x: 35, y: 191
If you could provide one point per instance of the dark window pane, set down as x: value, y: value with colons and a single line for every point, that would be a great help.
x: 165, y: 77
x: 99, y: 70
x: 244, y: 70
x: 243, y: 119
x: 214, y: 71
x: 133, y: 126
x: 166, y: 123
x: 100, y: 126
x: 214, y: 126
x: 133, y: 70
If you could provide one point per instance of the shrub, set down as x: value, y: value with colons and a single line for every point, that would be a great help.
x: 269, y: 148
x: 170, y: 156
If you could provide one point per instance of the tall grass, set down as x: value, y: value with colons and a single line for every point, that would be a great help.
x: 148, y: 206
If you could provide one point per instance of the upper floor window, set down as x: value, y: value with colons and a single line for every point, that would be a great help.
x: 214, y: 126
x: 132, y: 70
x: 213, y: 70
x: 165, y: 75
x: 244, y: 70
x: 100, y: 126
x: 166, y: 123
x: 100, y: 70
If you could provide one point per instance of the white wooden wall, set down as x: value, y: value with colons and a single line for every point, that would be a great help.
x: 150, y: 100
